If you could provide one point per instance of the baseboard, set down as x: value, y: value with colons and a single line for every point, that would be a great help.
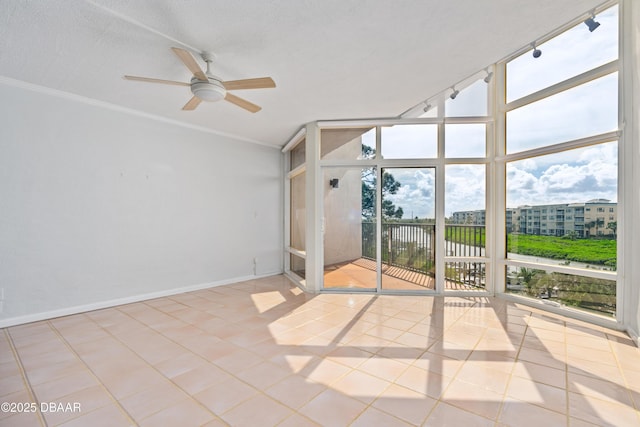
x: 634, y: 336
x: 36, y: 317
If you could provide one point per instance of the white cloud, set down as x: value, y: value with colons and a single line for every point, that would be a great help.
x: 572, y: 176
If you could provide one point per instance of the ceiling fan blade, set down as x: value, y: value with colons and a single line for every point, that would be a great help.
x: 192, y: 104
x: 242, y: 103
x: 258, y: 83
x: 188, y: 60
x: 151, y: 80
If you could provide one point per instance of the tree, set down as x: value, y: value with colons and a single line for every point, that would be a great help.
x: 613, y: 226
x: 389, y: 186
x: 527, y: 275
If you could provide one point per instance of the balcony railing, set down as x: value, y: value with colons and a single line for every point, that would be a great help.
x: 411, y: 246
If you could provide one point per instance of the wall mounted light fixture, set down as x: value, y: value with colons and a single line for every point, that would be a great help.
x: 334, y: 182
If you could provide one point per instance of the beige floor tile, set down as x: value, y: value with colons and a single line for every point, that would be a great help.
x: 74, y: 382
x: 325, y: 371
x: 122, y: 385
x: 238, y: 360
x: 180, y: 364
x: 295, y: 391
x: 255, y: 352
x: 486, y: 377
x: 425, y: 382
x: 406, y: 404
x: 361, y: 386
x: 373, y: 417
x: 384, y: 368
x: 300, y: 360
x: 15, y: 397
x: 89, y: 399
x: 24, y: 419
x: 472, y: 398
x: 521, y: 414
x: 12, y: 384
x: 447, y: 415
x: 151, y: 400
x: 540, y: 373
x: 297, y: 420
x: 600, y: 412
x: 349, y: 356
x: 200, y: 378
x: 106, y: 416
x: 331, y: 408
x: 438, y: 363
x: 599, y: 388
x: 539, y: 394
x: 260, y: 410
x: 542, y: 357
x: 264, y: 374
x: 225, y: 395
x: 178, y: 414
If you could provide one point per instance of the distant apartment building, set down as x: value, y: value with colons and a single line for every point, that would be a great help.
x: 469, y: 217
x: 597, y: 217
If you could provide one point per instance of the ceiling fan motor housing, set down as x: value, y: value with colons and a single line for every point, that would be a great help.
x: 210, y: 91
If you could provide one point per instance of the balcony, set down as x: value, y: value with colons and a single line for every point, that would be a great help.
x: 408, y: 258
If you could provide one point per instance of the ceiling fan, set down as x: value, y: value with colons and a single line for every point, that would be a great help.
x: 207, y: 87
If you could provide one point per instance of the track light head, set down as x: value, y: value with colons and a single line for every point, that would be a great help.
x: 487, y: 79
x: 591, y: 24
x: 426, y: 108
x: 454, y: 93
x: 536, y: 52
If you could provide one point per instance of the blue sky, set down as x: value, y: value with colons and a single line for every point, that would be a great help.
x: 571, y: 176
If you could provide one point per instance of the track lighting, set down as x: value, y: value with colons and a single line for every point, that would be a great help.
x: 591, y: 23
x: 487, y: 79
x: 454, y: 93
x: 536, y: 52
x: 426, y: 108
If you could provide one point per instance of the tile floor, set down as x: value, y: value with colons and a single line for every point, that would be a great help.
x: 262, y: 353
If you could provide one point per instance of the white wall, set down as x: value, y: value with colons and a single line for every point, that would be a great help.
x: 99, y: 206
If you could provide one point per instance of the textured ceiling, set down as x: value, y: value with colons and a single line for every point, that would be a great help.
x: 330, y: 59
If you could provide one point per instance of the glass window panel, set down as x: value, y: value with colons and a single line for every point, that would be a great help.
x: 585, y: 110
x: 465, y: 140
x: 569, y: 54
x: 585, y: 293
x: 408, y: 229
x: 471, y: 101
x: 464, y: 201
x: 298, y: 154
x: 350, y: 228
x: 298, y: 212
x: 348, y: 144
x: 297, y: 265
x: 552, y: 207
x: 465, y: 276
x: 410, y: 141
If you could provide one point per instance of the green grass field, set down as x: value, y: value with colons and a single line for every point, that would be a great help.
x: 589, y: 251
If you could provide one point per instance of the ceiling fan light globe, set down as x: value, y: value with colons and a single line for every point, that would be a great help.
x: 210, y: 91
